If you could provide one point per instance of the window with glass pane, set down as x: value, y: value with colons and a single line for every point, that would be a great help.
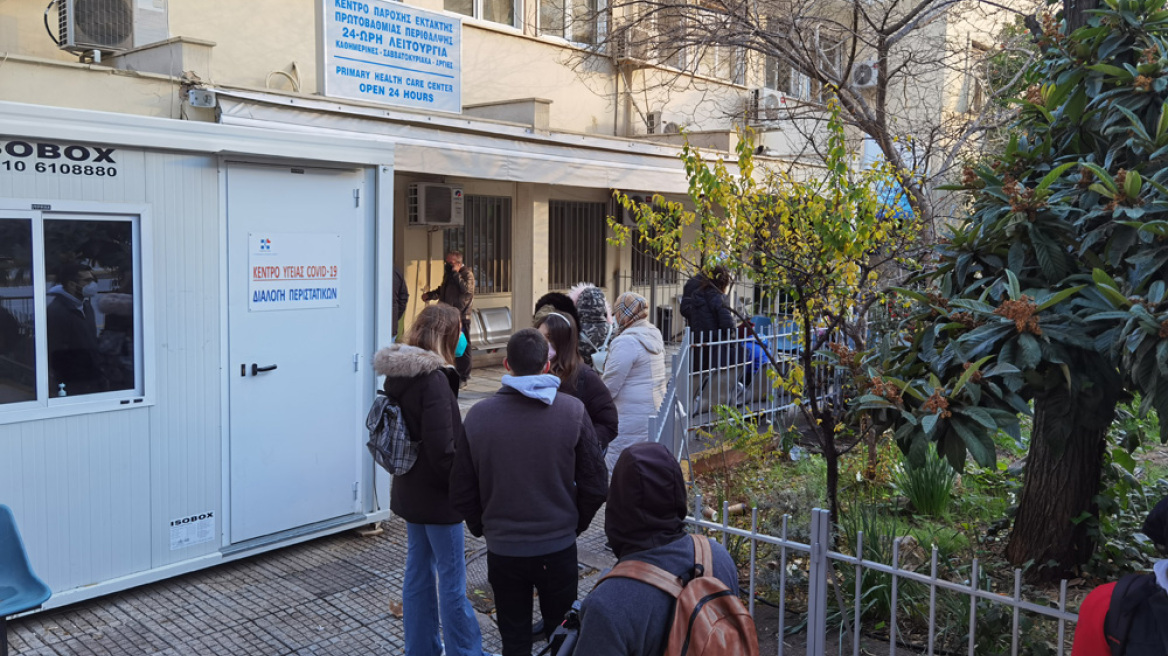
x: 646, y: 267
x: 496, y: 11
x: 485, y: 242
x: 464, y: 7
x: 577, y: 234
x: 574, y: 20
x: 552, y: 17
x: 17, y: 312
x: 91, y: 310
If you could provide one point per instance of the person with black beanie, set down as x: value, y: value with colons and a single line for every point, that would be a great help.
x: 644, y: 520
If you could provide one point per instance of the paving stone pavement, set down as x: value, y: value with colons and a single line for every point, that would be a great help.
x: 329, y: 596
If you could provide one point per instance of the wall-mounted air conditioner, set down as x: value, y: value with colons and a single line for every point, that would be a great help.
x: 765, y: 105
x: 865, y: 74
x: 110, y: 25
x: 628, y: 216
x: 431, y: 204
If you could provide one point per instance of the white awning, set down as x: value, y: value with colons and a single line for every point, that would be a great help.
x: 471, y: 148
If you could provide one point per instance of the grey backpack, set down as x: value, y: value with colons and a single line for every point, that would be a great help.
x: 389, y: 441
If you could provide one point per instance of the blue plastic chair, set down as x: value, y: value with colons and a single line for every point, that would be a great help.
x: 20, y: 589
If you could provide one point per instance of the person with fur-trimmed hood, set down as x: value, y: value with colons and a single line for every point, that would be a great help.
x: 421, y: 378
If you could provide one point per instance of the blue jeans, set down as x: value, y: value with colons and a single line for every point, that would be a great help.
x: 438, y: 551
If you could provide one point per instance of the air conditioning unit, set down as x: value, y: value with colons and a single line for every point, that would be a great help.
x: 110, y: 25
x: 628, y: 216
x: 866, y: 74
x: 431, y: 204
x: 765, y: 105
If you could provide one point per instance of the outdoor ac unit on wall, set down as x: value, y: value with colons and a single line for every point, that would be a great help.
x: 866, y: 74
x: 628, y: 217
x: 765, y: 105
x: 110, y: 25
x: 432, y: 204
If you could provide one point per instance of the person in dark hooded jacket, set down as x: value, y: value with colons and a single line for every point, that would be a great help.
x: 420, y: 376
x: 644, y: 520
x: 703, y: 304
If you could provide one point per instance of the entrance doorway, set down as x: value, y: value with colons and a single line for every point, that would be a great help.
x: 298, y: 288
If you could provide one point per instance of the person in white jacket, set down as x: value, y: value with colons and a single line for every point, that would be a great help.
x: 634, y: 373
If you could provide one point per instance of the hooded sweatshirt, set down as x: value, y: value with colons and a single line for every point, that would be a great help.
x: 425, y: 387
x: 528, y: 475
x: 644, y: 520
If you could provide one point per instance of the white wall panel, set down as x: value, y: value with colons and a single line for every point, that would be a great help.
x: 182, y: 191
x: 94, y: 493
x: 80, y: 488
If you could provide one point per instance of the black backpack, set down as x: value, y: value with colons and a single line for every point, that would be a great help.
x: 1136, y: 623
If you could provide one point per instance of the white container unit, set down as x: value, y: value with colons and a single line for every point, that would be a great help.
x: 207, y: 403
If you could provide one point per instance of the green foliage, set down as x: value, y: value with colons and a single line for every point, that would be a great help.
x: 928, y: 485
x: 827, y: 242
x: 1059, y: 278
x: 1126, y: 497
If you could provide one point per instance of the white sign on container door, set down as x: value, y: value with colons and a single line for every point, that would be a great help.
x: 293, y: 271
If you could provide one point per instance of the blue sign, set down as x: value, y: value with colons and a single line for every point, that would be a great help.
x: 392, y: 53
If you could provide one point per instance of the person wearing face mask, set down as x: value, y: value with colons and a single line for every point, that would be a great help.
x: 74, y: 360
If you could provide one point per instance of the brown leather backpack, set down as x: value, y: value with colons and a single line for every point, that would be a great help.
x: 709, y: 619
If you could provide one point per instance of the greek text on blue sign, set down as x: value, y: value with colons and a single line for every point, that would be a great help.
x: 391, y: 53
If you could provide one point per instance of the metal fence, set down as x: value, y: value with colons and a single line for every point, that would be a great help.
x: 813, y: 576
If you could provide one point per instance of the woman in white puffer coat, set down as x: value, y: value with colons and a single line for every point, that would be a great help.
x: 634, y: 373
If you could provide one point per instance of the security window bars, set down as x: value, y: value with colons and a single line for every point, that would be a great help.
x: 70, y: 317
x: 577, y: 235
x: 646, y: 268
x: 485, y: 242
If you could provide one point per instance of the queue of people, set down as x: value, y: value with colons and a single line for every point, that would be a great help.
x: 531, y: 492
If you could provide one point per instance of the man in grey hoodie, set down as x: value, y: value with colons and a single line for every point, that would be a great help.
x: 529, y: 477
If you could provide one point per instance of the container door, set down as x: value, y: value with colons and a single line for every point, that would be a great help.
x: 297, y: 274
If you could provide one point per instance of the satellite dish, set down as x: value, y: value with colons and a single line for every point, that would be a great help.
x: 106, y: 22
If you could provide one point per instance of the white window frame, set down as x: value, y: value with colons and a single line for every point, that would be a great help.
x: 47, y: 406
x: 800, y: 85
x: 477, y: 15
x: 601, y: 22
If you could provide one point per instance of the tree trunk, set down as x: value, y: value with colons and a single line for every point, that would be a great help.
x: 1063, y: 471
x: 831, y: 458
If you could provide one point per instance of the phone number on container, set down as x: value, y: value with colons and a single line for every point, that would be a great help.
x: 63, y: 169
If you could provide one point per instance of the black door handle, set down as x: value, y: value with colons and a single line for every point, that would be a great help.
x: 256, y: 369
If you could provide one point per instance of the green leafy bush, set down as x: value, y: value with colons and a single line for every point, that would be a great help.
x: 927, y: 486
